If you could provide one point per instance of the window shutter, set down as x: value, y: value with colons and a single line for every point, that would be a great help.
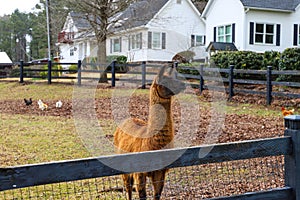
x: 111, y: 45
x: 251, y: 38
x: 204, y: 39
x: 163, y: 39
x: 192, y: 40
x: 278, y: 30
x: 141, y: 40
x: 149, y: 40
x: 233, y: 33
x: 120, y: 44
x: 296, y: 34
x: 215, y: 34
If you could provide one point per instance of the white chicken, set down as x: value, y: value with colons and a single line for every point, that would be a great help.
x: 58, y: 104
x: 42, y: 105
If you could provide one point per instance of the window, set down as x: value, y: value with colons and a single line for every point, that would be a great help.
x: 72, y: 52
x: 197, y: 40
x: 264, y: 33
x: 116, y: 45
x: 136, y: 41
x: 178, y: 1
x: 156, y: 40
x: 224, y: 33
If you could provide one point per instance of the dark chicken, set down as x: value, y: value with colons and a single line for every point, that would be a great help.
x: 28, y: 102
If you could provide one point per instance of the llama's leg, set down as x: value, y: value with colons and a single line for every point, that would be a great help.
x: 140, y: 181
x: 128, y: 183
x: 158, y: 180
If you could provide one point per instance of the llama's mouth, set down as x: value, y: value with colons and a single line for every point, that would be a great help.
x: 178, y: 89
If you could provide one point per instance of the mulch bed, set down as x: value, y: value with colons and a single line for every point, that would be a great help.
x: 236, y: 127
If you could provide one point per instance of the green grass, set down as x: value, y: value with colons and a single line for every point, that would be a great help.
x: 34, y: 139
x: 28, y: 139
x: 255, y: 110
x: 12, y: 90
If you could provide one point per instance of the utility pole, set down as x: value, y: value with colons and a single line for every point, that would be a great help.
x: 48, y: 29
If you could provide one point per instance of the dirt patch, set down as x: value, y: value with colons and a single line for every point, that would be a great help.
x: 236, y: 127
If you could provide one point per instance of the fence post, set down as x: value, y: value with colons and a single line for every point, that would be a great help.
x: 143, y: 75
x: 79, y: 72
x: 292, y: 161
x: 49, y: 71
x: 201, y: 87
x: 269, y: 85
x: 175, y: 65
x: 21, y: 71
x: 113, y: 73
x: 230, y: 80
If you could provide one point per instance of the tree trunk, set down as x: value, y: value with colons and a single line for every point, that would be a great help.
x: 101, y: 54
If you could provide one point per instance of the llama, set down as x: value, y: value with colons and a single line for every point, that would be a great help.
x: 135, y: 135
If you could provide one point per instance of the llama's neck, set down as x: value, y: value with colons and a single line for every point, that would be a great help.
x: 160, y: 121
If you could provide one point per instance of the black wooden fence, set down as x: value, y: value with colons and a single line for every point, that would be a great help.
x: 230, y: 77
x: 12, y: 178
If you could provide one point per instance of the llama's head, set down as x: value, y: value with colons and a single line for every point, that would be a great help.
x: 167, y: 84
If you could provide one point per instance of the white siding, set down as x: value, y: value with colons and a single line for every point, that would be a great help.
x: 179, y: 22
x: 268, y: 17
x: 225, y: 14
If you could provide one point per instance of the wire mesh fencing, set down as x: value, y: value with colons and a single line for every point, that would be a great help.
x: 194, y: 182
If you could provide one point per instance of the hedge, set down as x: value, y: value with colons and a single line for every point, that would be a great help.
x: 289, y: 59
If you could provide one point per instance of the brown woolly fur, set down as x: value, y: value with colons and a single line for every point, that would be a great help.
x: 135, y: 135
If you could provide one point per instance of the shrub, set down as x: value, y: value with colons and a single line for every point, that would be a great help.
x: 290, y: 59
x: 44, y: 74
x: 240, y: 59
x: 119, y: 59
x: 271, y: 58
x: 73, y: 69
x: 15, y: 71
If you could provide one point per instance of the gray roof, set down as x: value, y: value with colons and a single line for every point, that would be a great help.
x: 80, y: 20
x: 221, y: 46
x: 138, y: 14
x: 4, y: 58
x: 287, y: 5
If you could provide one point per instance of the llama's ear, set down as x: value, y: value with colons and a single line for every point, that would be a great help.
x: 170, y: 71
x: 161, y: 72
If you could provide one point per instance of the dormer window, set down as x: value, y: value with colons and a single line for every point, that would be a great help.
x: 178, y: 1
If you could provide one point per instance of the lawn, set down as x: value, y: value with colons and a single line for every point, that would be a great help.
x: 29, y: 135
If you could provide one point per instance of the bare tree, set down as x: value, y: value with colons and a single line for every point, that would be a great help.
x: 100, y: 14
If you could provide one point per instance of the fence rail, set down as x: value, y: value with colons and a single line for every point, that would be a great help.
x: 63, y: 171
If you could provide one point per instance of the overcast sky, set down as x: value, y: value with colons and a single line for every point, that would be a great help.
x: 8, y: 6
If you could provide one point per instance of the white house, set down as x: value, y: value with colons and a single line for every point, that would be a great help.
x: 147, y: 30
x: 258, y: 26
x: 76, y: 41
x: 157, y: 31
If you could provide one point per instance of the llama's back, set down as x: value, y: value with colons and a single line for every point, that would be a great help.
x: 130, y: 135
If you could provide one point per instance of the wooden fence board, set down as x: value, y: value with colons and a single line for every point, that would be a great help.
x: 274, y: 194
x: 62, y: 171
